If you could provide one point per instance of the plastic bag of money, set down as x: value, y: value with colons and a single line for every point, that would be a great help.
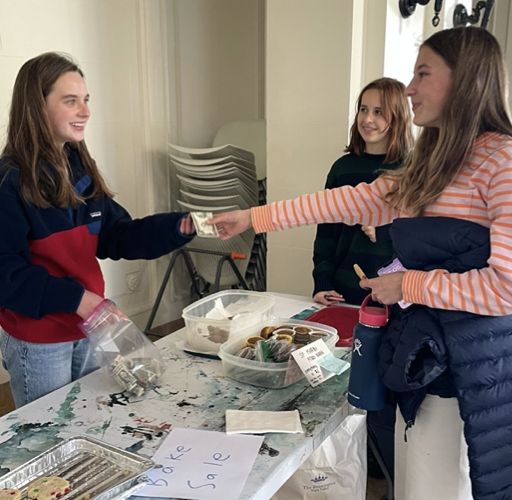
x: 122, y: 350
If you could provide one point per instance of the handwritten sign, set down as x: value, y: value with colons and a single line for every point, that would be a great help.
x: 307, y: 358
x: 201, y: 465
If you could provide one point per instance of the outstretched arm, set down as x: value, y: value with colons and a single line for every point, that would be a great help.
x: 231, y: 223
x: 362, y: 204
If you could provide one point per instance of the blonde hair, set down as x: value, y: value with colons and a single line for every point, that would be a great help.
x: 31, y: 144
x: 476, y: 103
x: 396, y: 112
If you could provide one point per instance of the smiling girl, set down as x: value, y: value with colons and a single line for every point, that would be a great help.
x: 448, y: 358
x: 380, y: 137
x: 58, y: 217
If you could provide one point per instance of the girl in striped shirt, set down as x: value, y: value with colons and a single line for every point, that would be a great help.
x: 461, y: 167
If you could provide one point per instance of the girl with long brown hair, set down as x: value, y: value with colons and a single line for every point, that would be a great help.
x: 58, y: 217
x: 447, y: 358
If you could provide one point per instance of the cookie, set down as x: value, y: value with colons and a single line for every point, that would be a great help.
x: 10, y: 494
x: 47, y: 488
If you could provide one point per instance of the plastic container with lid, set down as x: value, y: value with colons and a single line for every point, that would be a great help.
x: 270, y: 375
x: 213, y: 320
x: 343, y: 318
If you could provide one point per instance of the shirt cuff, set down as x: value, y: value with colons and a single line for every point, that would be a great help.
x: 262, y: 219
x: 413, y: 287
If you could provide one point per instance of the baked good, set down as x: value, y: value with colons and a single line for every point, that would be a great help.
x: 47, y: 488
x: 10, y: 494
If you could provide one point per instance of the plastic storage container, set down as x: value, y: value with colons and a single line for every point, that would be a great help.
x: 213, y: 320
x: 271, y: 375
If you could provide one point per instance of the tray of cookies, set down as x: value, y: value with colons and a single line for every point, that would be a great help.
x: 78, y: 468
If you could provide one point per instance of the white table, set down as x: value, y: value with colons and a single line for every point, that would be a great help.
x: 193, y: 393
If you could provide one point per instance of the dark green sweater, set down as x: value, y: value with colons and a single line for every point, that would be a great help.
x: 338, y: 246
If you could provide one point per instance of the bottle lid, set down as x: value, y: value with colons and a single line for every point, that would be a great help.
x: 373, y: 316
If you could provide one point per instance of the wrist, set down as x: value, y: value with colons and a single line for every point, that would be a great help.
x: 89, y: 322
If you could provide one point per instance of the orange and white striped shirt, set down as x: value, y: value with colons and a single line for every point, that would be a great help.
x: 481, y: 193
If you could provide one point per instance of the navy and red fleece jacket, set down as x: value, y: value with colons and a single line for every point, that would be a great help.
x: 48, y: 257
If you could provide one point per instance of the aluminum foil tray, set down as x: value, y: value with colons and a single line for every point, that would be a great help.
x: 94, y: 469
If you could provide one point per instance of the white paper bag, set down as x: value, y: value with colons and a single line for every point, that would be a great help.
x: 336, y: 470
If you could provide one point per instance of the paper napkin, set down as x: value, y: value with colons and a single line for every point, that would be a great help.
x: 260, y: 422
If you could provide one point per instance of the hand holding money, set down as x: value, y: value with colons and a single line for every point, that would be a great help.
x: 230, y: 224
x: 202, y: 229
x: 187, y: 226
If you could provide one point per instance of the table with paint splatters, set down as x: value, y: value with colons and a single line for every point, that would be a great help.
x: 194, y: 393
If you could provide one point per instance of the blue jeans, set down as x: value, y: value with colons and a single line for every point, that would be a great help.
x: 38, y: 369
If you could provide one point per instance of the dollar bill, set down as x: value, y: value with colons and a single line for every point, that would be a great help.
x: 203, y: 229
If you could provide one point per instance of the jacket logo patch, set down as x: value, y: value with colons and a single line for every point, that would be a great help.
x: 95, y: 214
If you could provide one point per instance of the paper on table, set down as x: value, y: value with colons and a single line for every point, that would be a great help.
x: 260, y: 422
x: 201, y: 465
x: 308, y: 357
x: 333, y: 364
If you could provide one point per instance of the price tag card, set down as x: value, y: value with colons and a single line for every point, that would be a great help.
x: 307, y: 358
x: 201, y: 465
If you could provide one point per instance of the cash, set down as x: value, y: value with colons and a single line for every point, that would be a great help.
x: 134, y: 375
x: 202, y: 229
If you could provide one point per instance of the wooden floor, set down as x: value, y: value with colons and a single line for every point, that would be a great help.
x: 6, y: 402
x: 375, y: 489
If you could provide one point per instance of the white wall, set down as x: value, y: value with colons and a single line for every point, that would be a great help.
x: 501, y: 19
x: 307, y: 107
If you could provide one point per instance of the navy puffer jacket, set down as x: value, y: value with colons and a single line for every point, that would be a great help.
x: 471, y: 354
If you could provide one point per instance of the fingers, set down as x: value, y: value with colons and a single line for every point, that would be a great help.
x: 333, y: 296
x: 370, y: 232
x: 328, y: 298
x: 231, y: 223
x: 187, y: 225
x: 218, y: 219
x: 386, y: 289
x: 225, y: 233
x: 365, y: 284
x: 225, y: 224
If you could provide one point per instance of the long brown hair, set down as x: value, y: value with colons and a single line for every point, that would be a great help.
x: 476, y: 103
x: 31, y: 144
x: 396, y: 112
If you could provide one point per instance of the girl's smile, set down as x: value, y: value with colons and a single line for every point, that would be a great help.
x: 372, y: 125
x: 67, y: 106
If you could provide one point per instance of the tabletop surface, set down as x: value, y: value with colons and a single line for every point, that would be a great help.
x: 193, y: 393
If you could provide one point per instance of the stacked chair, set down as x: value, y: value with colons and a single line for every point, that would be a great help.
x: 220, y: 179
